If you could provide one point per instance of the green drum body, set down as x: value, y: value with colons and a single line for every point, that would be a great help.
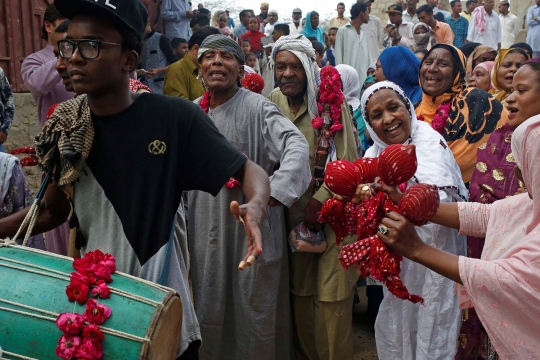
x: 145, y: 322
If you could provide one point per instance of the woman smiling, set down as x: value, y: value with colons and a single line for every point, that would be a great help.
x: 494, y: 179
x: 464, y: 116
x: 402, y: 327
x: 506, y: 64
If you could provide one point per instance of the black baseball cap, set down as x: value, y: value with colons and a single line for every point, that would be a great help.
x: 129, y: 13
x: 395, y: 8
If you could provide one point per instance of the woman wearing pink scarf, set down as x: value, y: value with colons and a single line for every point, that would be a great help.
x: 504, y: 285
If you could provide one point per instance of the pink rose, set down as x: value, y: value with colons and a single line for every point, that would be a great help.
x: 77, y: 290
x: 317, y: 123
x: 108, y: 261
x: 102, y: 272
x: 92, y: 332
x: 95, y: 256
x: 96, y: 313
x: 69, y: 323
x: 336, y: 127
x: 90, y: 349
x: 102, y: 290
x: 67, y: 346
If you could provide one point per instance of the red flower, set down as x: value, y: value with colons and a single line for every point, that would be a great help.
x: 69, y: 323
x: 67, y: 346
x: 92, y: 332
x: 77, y: 290
x: 336, y: 127
x: 95, y: 256
x: 317, y: 123
x: 102, y: 290
x: 108, y: 261
x: 90, y: 349
x: 96, y: 313
x: 102, y: 272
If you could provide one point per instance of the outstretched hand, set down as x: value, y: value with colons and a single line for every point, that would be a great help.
x: 251, y: 215
x: 401, y: 236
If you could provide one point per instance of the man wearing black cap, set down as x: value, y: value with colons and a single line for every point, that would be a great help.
x: 400, y: 32
x: 126, y: 158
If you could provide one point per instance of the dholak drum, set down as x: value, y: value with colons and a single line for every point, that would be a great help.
x: 145, y: 322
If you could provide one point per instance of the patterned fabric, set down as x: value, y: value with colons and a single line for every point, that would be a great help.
x: 7, y: 107
x: 474, y: 114
x: 221, y: 42
x: 301, y: 47
x: 70, y: 129
x: 504, y: 283
x: 493, y: 179
x: 17, y: 194
x: 459, y: 27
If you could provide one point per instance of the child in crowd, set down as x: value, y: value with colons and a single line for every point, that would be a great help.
x: 223, y: 28
x: 329, y: 57
x: 319, y: 53
x: 180, y: 47
x: 246, y: 46
x: 251, y: 61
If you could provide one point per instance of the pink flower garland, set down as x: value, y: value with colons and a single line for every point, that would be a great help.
x: 204, y: 103
x: 441, y: 115
x: 82, y: 337
x: 329, y: 101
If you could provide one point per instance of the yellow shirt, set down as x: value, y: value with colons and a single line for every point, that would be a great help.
x: 181, y: 80
x: 466, y: 16
x: 311, y: 273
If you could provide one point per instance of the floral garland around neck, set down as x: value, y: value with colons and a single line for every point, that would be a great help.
x: 204, y: 103
x: 329, y: 102
x: 441, y: 115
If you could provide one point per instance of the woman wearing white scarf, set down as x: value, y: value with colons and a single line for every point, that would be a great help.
x: 351, y: 85
x: 404, y: 330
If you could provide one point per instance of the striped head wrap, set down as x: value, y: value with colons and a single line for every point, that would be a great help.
x: 301, y: 47
x: 224, y: 43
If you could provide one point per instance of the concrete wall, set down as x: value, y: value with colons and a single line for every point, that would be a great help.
x: 25, y: 127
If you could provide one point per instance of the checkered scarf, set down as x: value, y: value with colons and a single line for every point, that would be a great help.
x: 224, y: 43
x: 301, y: 47
x: 66, y: 139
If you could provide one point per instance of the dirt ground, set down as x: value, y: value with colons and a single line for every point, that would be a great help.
x: 363, y: 332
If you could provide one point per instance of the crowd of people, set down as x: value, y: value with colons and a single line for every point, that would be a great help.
x: 170, y: 150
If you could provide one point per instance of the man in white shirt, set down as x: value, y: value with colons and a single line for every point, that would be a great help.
x: 295, y: 27
x: 373, y: 31
x: 490, y: 34
x: 533, y: 34
x: 272, y: 20
x: 441, y: 5
x: 351, y: 44
x: 404, y: 35
x: 409, y: 15
x: 509, y: 25
x: 339, y: 20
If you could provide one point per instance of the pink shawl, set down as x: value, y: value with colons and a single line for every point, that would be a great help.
x: 479, y: 19
x: 504, y: 286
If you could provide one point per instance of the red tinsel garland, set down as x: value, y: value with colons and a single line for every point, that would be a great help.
x: 329, y: 101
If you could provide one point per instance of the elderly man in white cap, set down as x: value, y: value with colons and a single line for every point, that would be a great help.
x: 321, y: 290
x: 272, y: 20
x: 296, y: 25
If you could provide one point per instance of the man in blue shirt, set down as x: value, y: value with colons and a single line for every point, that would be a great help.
x: 458, y: 24
x: 242, y: 28
x: 230, y: 21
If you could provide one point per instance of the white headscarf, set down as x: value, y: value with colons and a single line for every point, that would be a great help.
x: 436, y: 163
x: 7, y: 164
x: 351, y: 85
x: 301, y: 47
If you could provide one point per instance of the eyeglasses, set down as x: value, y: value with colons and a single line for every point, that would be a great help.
x: 89, y: 49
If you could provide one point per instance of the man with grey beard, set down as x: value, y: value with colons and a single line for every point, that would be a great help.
x: 320, y: 287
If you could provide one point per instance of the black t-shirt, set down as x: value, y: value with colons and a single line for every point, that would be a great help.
x: 146, y: 156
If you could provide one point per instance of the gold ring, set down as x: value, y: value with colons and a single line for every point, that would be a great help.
x: 383, y: 229
x: 365, y: 188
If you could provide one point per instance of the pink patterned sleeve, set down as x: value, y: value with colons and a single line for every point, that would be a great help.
x: 473, y: 218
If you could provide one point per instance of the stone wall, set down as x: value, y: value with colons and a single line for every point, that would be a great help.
x: 25, y: 127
